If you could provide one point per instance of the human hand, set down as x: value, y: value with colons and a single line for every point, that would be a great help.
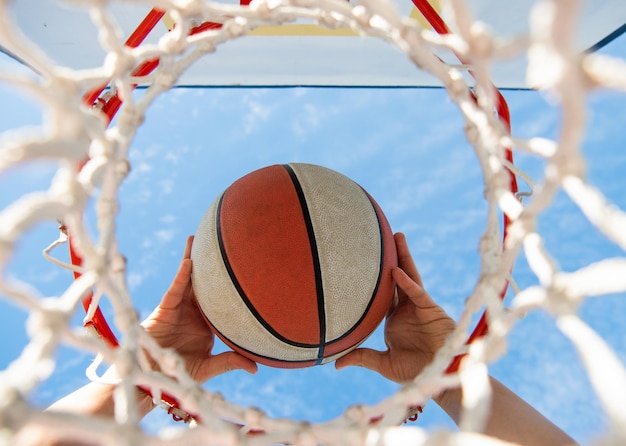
x: 177, y: 323
x: 415, y: 327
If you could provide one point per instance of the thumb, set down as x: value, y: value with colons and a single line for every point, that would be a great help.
x: 228, y: 361
x: 176, y: 292
x: 362, y: 357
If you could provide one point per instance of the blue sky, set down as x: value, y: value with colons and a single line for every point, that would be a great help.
x: 407, y: 148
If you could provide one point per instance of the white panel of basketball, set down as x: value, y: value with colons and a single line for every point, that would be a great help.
x: 347, y: 234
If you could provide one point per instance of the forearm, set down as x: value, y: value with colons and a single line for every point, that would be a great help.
x: 511, y: 418
x: 91, y: 400
x: 96, y: 399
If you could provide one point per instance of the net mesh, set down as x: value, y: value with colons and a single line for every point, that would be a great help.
x: 74, y: 132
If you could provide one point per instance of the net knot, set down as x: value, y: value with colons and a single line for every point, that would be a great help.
x: 178, y: 414
x: 237, y: 27
x: 413, y: 413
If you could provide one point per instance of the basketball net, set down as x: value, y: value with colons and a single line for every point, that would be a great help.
x: 95, y: 158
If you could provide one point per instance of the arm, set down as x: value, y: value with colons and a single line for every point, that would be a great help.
x: 414, y: 330
x: 175, y: 323
x: 511, y: 418
x: 97, y: 399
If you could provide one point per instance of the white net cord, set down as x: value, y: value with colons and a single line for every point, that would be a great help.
x: 73, y: 133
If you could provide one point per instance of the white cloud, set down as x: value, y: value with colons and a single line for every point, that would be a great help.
x: 143, y: 167
x: 256, y: 115
x: 45, y: 277
x: 134, y: 279
x: 164, y: 235
x: 172, y: 156
x: 299, y: 92
x: 144, y: 195
x: 308, y: 119
x: 166, y: 186
x: 168, y: 218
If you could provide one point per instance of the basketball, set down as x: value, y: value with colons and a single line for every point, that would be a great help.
x: 292, y: 265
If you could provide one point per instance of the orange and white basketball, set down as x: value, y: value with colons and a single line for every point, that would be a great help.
x: 292, y: 265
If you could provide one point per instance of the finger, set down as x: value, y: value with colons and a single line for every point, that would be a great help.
x: 405, y: 259
x: 187, y: 252
x: 412, y: 289
x: 362, y: 357
x: 394, y: 302
x: 228, y: 361
x: 177, y: 288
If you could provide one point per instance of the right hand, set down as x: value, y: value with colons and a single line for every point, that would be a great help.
x: 177, y: 323
x: 415, y: 328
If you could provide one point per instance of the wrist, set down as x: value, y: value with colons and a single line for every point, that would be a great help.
x: 144, y: 399
x: 450, y: 402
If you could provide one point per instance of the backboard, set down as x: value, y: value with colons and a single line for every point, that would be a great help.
x: 303, y: 54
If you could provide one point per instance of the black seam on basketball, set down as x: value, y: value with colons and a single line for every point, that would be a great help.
x: 239, y: 347
x: 240, y: 291
x: 319, y: 288
x: 381, y: 264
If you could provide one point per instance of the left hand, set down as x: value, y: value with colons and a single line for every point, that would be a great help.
x: 177, y: 323
x: 416, y: 327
